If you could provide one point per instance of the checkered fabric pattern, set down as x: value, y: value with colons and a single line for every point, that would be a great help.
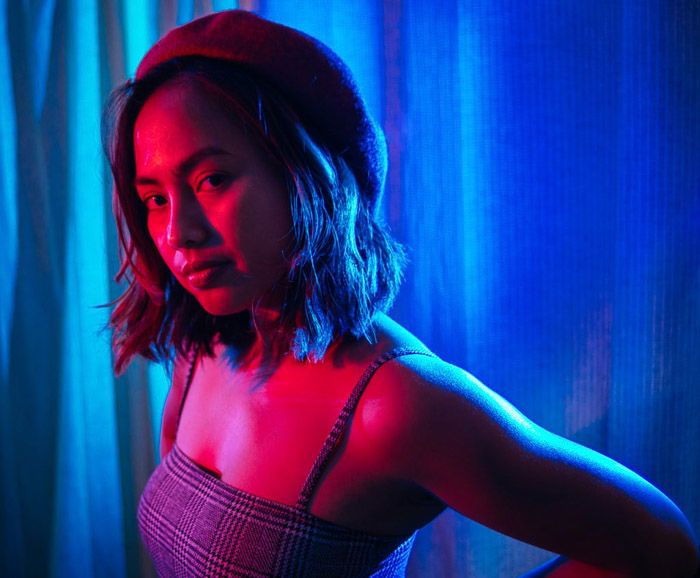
x: 193, y: 524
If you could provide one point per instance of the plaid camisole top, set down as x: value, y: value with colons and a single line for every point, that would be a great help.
x: 194, y: 524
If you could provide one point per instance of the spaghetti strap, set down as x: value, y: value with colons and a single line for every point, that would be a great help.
x: 336, y: 435
x: 186, y: 389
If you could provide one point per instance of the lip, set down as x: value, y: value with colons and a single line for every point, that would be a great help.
x: 201, y: 274
x: 197, y: 266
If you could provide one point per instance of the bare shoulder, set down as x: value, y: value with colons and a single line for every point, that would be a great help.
x: 438, y: 410
x: 432, y: 406
x: 425, y: 391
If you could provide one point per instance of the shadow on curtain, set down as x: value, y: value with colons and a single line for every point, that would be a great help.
x: 544, y: 172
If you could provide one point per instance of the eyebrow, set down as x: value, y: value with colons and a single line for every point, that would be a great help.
x: 187, y: 164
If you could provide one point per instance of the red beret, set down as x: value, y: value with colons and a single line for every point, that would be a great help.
x: 312, y: 77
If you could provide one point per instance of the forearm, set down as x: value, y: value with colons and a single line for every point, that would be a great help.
x: 626, y: 525
x: 652, y: 544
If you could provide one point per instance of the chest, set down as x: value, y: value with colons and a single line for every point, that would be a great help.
x: 263, y: 434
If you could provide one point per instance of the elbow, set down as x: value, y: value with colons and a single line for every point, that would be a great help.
x: 682, y: 548
x: 646, y: 545
x: 665, y: 545
x: 673, y: 555
x: 686, y: 557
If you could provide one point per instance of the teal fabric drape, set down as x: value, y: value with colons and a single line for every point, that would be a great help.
x: 544, y: 170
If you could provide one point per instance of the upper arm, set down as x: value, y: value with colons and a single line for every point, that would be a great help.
x: 480, y: 456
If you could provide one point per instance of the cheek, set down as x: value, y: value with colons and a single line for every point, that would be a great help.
x: 264, y: 229
x: 270, y: 214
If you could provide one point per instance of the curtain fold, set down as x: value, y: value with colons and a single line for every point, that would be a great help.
x: 544, y: 170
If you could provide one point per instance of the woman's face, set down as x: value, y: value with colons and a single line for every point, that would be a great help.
x: 218, y: 209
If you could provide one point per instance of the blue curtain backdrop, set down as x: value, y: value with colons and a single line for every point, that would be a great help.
x: 545, y: 172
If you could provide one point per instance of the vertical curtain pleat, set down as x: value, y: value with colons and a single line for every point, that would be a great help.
x: 30, y: 420
x: 8, y: 198
x: 657, y: 327
x: 9, y: 225
x: 88, y: 490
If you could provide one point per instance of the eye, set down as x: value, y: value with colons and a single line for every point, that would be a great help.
x: 152, y: 202
x: 212, y: 182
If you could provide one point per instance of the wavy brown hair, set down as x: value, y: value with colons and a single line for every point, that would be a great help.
x: 344, y: 266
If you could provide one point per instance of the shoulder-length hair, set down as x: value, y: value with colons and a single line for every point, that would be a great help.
x: 344, y: 266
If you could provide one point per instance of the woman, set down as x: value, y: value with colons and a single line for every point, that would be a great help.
x: 247, y: 177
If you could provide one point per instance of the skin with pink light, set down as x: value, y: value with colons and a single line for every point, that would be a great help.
x: 426, y: 435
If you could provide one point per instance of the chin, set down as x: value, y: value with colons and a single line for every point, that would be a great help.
x: 221, y: 310
x: 221, y: 305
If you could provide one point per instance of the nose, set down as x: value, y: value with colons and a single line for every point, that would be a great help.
x: 188, y: 226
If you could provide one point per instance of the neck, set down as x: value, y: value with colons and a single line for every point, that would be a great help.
x: 267, y: 347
